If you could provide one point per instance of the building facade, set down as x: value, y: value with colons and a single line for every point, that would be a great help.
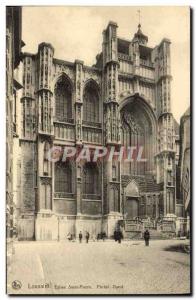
x: 122, y: 100
x: 185, y: 171
x: 13, y: 57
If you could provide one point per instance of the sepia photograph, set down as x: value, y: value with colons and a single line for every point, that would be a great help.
x: 98, y: 150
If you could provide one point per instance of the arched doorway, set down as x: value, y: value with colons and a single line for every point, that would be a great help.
x: 132, y: 201
x: 138, y: 132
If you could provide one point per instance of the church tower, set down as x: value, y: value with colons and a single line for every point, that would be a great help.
x: 28, y: 149
x: 165, y: 159
x: 112, y: 195
x: 45, y: 133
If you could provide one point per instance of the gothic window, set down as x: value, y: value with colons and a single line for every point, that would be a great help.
x: 63, y: 99
x: 115, y: 198
x: 169, y: 177
x: 136, y: 133
x: 91, y: 103
x: 170, y: 202
x: 91, y: 182
x: 114, y: 175
x: 46, y: 199
x: 63, y: 178
x: 186, y: 184
x: 46, y: 161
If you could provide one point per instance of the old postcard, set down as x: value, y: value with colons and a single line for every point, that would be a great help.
x: 98, y: 150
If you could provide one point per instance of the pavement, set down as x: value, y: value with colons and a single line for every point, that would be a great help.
x: 99, y: 268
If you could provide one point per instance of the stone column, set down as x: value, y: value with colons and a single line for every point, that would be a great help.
x: 79, y: 101
x: 78, y: 187
x: 111, y: 120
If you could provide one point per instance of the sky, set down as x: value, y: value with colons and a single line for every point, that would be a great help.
x: 76, y: 33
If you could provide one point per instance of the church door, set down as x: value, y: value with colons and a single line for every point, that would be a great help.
x: 132, y: 208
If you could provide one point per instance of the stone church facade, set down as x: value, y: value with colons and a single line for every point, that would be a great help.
x: 122, y: 100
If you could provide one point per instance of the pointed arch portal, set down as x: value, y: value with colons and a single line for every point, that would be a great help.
x: 138, y: 131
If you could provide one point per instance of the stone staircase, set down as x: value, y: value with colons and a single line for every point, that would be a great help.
x: 132, y: 235
x: 159, y: 235
x: 134, y: 229
x: 154, y: 235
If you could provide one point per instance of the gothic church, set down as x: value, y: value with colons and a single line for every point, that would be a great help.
x: 122, y: 100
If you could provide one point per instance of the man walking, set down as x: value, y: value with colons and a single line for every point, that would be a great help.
x: 87, y: 236
x: 69, y: 236
x: 80, y: 237
x: 120, y: 236
x: 146, y: 237
x: 115, y: 235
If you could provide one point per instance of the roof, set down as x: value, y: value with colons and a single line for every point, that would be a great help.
x: 139, y: 34
x: 187, y: 112
x: 176, y: 127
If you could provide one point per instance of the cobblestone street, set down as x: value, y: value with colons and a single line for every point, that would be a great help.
x: 99, y: 267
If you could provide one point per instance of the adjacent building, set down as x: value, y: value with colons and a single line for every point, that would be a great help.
x: 185, y: 171
x: 13, y: 57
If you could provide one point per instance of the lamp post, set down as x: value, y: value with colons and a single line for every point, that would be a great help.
x: 123, y: 204
x: 58, y: 237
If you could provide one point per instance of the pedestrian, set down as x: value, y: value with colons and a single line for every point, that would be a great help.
x: 87, y: 236
x: 80, y: 237
x: 119, y: 236
x: 115, y: 235
x: 69, y: 236
x: 146, y: 237
x: 98, y: 236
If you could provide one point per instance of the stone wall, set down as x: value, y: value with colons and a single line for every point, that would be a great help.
x: 27, y: 176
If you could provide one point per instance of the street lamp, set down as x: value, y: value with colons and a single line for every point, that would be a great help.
x: 123, y: 204
x: 58, y: 237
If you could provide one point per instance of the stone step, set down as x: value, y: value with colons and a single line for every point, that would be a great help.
x: 132, y: 235
x: 154, y: 235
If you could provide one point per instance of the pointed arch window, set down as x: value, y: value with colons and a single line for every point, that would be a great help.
x: 46, y: 161
x: 63, y: 179
x: 91, y: 103
x: 63, y: 99
x: 91, y: 181
x: 138, y: 131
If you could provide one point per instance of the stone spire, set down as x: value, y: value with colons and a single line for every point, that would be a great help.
x: 140, y: 37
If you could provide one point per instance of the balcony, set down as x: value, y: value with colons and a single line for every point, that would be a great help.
x: 64, y: 120
x: 146, y: 63
x: 146, y: 72
x: 91, y: 124
x: 92, y: 135
x: 91, y: 196
x: 64, y: 131
x: 63, y: 195
x: 122, y: 56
